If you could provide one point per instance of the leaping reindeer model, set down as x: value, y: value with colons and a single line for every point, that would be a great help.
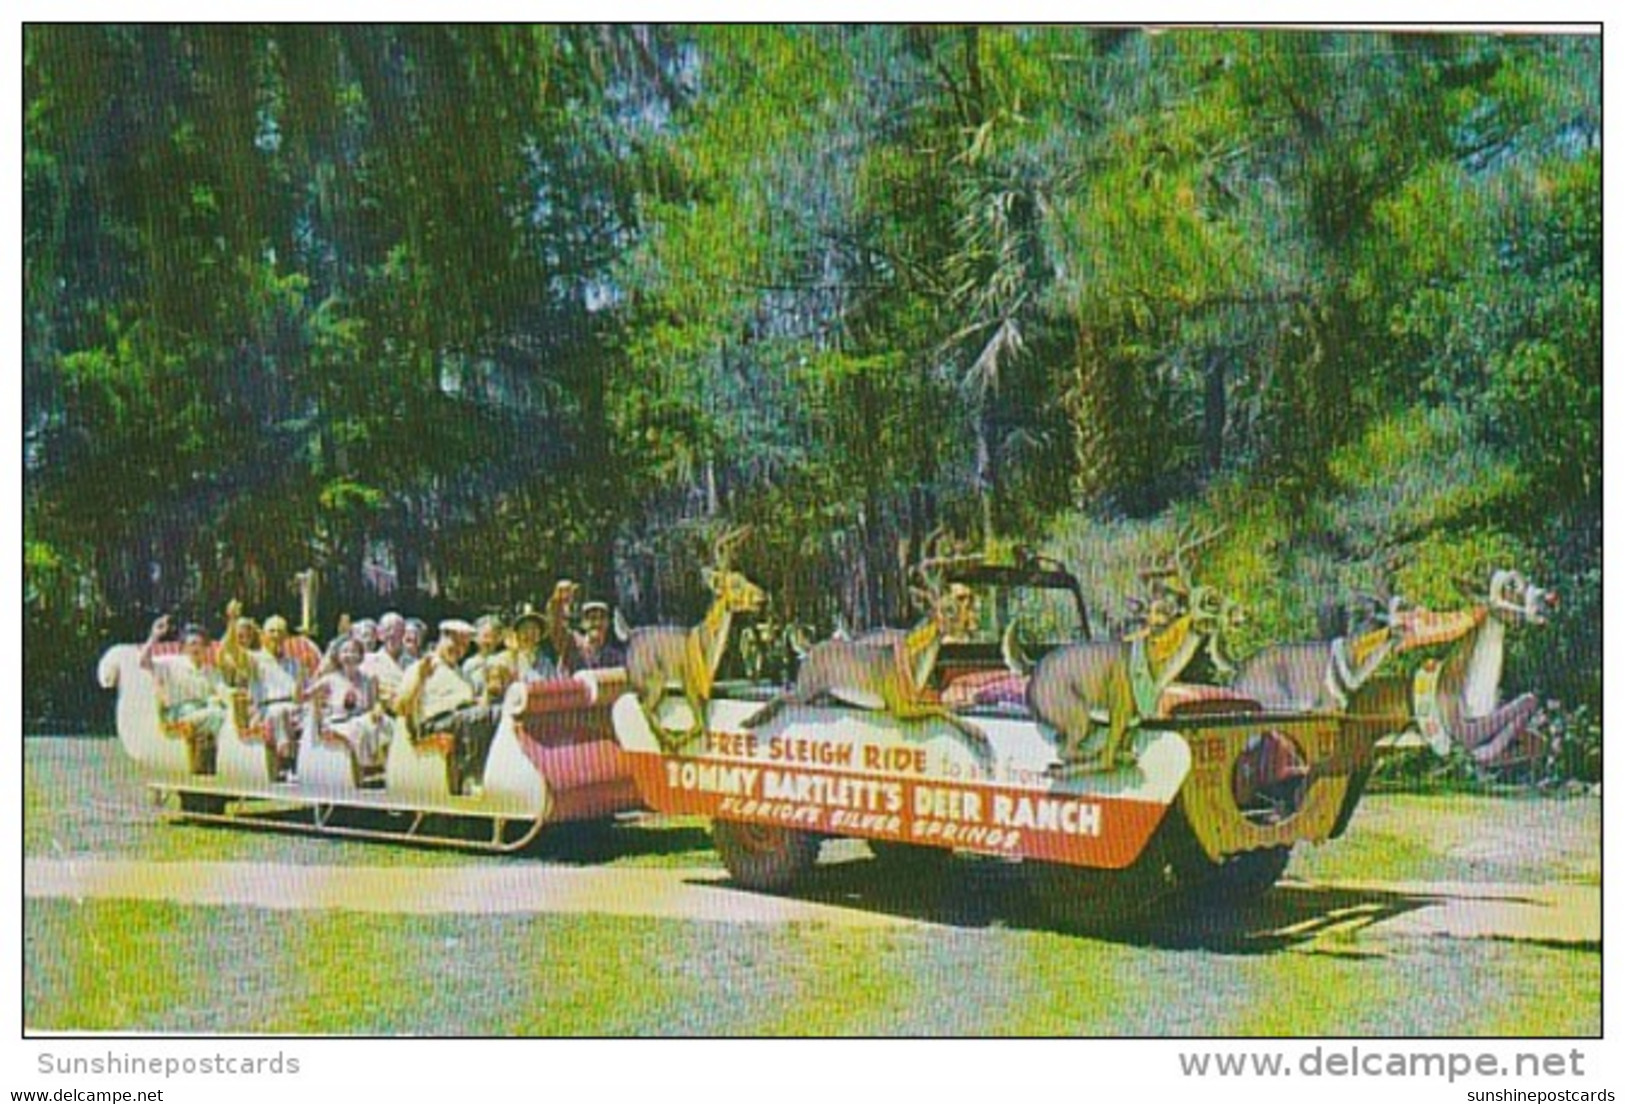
x: 1325, y: 674
x: 659, y: 656
x: 889, y: 669
x: 1075, y: 688
x: 1459, y: 698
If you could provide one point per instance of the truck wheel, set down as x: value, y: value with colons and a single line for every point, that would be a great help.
x: 761, y: 856
x: 909, y: 858
x: 1104, y: 901
x: 1243, y: 878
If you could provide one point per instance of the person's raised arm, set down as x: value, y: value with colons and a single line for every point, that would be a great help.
x: 411, y: 687
x: 160, y: 629
x: 559, y: 634
x: 233, y: 658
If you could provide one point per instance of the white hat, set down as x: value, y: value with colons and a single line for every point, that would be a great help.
x: 456, y: 625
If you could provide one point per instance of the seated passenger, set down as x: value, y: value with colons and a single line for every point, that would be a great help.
x: 413, y: 641
x: 387, y: 665
x: 346, y: 701
x: 241, y: 639
x: 331, y: 652
x: 366, y: 631
x: 191, y: 694
x: 273, y: 678
x: 436, y: 698
x: 593, y: 648
x: 524, y: 654
x: 488, y: 633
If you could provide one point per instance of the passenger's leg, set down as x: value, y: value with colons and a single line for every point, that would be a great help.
x: 205, y: 720
x: 475, y: 728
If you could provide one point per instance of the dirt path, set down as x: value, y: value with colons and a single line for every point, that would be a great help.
x: 1553, y: 914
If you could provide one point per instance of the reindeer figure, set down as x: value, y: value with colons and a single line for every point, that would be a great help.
x: 659, y: 656
x: 1076, y: 687
x: 1271, y: 774
x: 1459, y: 699
x: 889, y: 669
x: 1324, y: 675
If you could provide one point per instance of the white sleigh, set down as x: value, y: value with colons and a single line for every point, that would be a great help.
x: 553, y: 758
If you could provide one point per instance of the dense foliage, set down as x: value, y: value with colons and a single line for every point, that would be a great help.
x: 447, y: 312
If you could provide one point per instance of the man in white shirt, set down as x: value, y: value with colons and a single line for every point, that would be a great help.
x: 435, y: 697
x: 488, y: 633
x: 385, y: 665
x: 191, y: 693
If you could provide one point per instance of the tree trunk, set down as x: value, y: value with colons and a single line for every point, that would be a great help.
x: 987, y: 470
x: 1215, y: 413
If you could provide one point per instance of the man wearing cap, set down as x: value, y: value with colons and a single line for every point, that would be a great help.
x: 435, y: 697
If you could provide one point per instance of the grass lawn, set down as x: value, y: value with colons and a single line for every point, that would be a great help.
x: 982, y: 968
x: 115, y: 965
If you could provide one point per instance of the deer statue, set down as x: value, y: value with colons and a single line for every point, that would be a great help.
x: 1325, y: 674
x: 1458, y: 698
x: 1076, y: 687
x: 890, y: 669
x: 660, y: 656
x: 1313, y: 676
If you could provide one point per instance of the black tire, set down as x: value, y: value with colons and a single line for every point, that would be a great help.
x: 1242, y: 878
x: 1093, y: 900
x: 763, y: 856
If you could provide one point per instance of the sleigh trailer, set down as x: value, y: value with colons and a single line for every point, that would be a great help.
x: 553, y: 759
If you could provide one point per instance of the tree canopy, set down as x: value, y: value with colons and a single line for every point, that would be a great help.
x: 450, y: 311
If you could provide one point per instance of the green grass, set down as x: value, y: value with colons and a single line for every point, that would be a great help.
x: 1485, y: 988
x: 987, y: 966
x: 111, y: 965
x: 1459, y: 837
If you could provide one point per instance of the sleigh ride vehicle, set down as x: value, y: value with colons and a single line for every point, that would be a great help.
x: 552, y: 759
x: 1088, y: 760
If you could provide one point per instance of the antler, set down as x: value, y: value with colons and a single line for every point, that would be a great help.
x: 1175, y: 566
x: 722, y: 548
x: 929, y: 560
x: 1188, y: 546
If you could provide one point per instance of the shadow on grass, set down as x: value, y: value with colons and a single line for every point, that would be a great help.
x: 594, y: 842
x: 985, y: 893
x: 572, y: 843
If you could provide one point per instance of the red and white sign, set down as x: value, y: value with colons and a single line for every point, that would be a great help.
x: 873, y: 786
